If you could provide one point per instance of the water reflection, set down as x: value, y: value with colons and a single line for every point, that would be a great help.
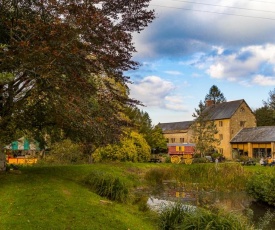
x: 231, y: 201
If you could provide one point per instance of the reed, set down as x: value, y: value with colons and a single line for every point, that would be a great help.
x: 221, y: 177
x: 177, y: 216
x: 107, y: 185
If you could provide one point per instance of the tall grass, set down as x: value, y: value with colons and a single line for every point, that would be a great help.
x: 176, y: 216
x: 224, y: 177
x: 107, y: 185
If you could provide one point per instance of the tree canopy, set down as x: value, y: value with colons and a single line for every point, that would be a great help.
x: 265, y: 115
x: 62, y: 66
x: 143, y: 124
x: 215, y: 95
x: 203, y: 132
x: 203, y: 128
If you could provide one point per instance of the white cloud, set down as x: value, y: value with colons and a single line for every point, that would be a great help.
x: 151, y: 90
x: 175, y: 102
x: 264, y: 80
x: 216, y: 70
x: 243, y: 64
x: 173, y: 72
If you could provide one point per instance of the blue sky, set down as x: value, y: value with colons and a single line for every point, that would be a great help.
x: 192, y: 45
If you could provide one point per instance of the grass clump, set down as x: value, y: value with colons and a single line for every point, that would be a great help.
x: 178, y: 216
x: 107, y: 185
x: 172, y: 216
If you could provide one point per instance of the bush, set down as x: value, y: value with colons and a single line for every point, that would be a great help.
x: 107, y: 185
x: 261, y: 187
x: 65, y: 152
x: 200, y: 160
x: 134, y: 149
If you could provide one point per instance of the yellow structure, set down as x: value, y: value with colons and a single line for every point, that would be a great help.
x: 21, y: 161
x: 22, y: 151
x: 177, y: 132
x: 255, y: 142
x: 229, y: 117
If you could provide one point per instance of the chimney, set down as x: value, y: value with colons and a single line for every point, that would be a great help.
x: 209, y: 103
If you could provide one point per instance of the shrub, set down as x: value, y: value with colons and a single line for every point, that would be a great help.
x: 261, y: 187
x: 134, y: 149
x: 200, y: 160
x: 65, y: 152
x: 167, y: 159
x: 107, y: 185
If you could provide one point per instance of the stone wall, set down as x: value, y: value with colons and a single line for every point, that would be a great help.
x: 243, y: 115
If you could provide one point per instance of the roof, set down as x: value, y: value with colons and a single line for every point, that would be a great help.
x: 23, y: 144
x: 256, y: 134
x: 182, y: 125
x: 180, y: 144
x: 223, y: 110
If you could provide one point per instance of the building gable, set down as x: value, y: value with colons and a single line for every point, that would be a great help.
x: 223, y: 110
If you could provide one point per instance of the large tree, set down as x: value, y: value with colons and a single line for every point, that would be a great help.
x: 215, y: 95
x: 265, y: 115
x: 203, y: 132
x: 143, y: 124
x: 203, y: 128
x: 62, y: 65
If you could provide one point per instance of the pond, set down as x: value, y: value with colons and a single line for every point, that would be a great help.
x: 231, y: 201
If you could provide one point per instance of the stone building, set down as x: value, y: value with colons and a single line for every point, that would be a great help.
x: 230, y: 118
x: 177, y: 132
x: 255, y: 142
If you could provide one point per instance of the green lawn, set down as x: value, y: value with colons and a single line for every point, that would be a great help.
x: 55, y: 198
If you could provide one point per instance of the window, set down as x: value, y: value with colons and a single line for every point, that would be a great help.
x: 220, y: 123
x: 181, y: 140
x: 242, y: 123
x: 221, y: 137
x: 173, y: 140
x: 221, y: 151
x: 167, y: 140
x: 242, y: 109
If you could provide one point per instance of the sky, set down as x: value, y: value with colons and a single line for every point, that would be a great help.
x: 193, y: 45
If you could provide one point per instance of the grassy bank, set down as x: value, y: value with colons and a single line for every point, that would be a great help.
x: 56, y: 197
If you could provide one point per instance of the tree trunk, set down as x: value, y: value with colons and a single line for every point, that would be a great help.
x: 2, y: 161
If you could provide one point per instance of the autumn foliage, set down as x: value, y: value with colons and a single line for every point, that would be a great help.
x: 62, y: 66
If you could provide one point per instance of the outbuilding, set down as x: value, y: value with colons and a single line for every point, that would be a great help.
x: 255, y: 142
